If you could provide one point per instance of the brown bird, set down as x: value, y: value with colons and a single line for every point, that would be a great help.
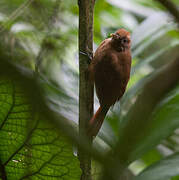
x: 110, y: 71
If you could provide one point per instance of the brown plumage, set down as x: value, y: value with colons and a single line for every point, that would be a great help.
x: 110, y: 71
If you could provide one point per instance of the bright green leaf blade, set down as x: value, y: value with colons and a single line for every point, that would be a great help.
x: 175, y: 178
x: 30, y: 147
x: 151, y: 157
x: 162, y: 170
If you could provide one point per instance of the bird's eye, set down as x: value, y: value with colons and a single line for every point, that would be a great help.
x: 124, y: 40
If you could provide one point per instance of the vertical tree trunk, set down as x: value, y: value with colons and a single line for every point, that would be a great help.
x: 86, y: 8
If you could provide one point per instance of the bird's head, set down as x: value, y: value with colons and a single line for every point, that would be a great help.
x: 122, y: 39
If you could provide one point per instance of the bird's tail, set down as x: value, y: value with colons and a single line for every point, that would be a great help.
x: 96, y: 121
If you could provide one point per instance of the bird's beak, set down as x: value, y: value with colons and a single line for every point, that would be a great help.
x: 112, y: 35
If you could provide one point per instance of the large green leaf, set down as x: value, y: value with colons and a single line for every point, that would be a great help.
x: 31, y: 148
x: 162, y: 170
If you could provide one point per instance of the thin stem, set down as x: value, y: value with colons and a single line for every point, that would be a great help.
x: 85, y: 87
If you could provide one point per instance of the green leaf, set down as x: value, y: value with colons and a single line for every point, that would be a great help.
x: 162, y: 170
x: 31, y: 147
x: 174, y: 34
x: 151, y: 157
x: 175, y: 178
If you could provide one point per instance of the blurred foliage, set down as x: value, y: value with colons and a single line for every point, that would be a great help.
x: 31, y: 147
x: 41, y: 37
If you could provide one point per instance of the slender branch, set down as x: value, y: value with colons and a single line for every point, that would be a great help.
x: 86, y: 8
x: 171, y: 8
